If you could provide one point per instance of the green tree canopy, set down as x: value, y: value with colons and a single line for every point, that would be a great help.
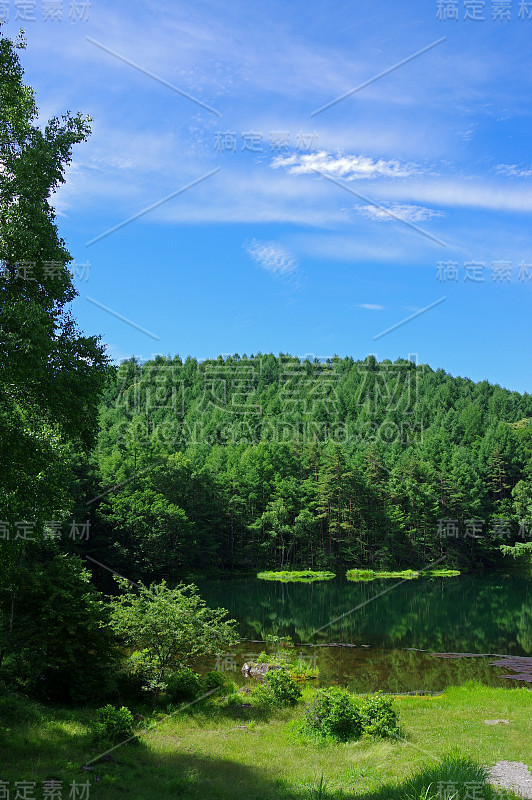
x: 50, y: 374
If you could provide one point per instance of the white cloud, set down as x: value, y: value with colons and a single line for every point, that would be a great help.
x: 408, y: 213
x: 272, y: 257
x: 115, y: 161
x: 117, y: 175
x: 371, y: 306
x: 344, y: 166
x: 467, y: 134
x: 464, y: 193
x: 117, y: 354
x: 361, y: 246
x: 514, y: 170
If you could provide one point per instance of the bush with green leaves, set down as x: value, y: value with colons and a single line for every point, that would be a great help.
x: 378, y: 716
x: 342, y: 716
x: 285, y: 690
x: 262, y: 697
x: 234, y: 700
x: 334, y: 713
x: 213, y: 680
x: 183, y: 686
x: 113, y: 724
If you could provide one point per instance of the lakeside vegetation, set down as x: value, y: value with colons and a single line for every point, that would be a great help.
x: 286, y: 656
x: 405, y: 574
x: 306, y: 576
x: 371, y: 575
x: 442, y: 573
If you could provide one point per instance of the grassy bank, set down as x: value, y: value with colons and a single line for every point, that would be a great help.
x: 305, y: 576
x: 405, y: 574
x: 239, y: 753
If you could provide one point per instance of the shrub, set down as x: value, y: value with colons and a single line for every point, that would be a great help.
x: 285, y: 690
x: 183, y: 686
x: 378, y: 717
x: 335, y: 713
x: 339, y: 714
x: 287, y: 656
x: 262, y: 697
x: 171, y: 627
x: 213, y: 680
x: 113, y: 723
x: 361, y: 574
x: 234, y: 699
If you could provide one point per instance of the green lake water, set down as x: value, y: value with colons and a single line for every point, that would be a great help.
x: 381, y: 635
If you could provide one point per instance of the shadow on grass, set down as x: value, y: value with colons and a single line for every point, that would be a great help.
x: 45, y: 743
x: 244, y: 711
x: 15, y: 709
x: 139, y: 773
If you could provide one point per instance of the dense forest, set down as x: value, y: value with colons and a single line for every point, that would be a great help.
x: 249, y: 462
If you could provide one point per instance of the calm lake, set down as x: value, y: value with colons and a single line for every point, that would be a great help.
x: 381, y: 635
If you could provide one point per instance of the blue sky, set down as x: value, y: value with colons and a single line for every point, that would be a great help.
x: 318, y: 231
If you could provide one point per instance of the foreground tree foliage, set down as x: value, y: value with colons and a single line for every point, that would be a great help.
x: 171, y: 628
x: 59, y: 649
x: 51, y: 377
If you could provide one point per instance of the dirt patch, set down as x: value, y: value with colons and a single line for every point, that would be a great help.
x: 512, y: 775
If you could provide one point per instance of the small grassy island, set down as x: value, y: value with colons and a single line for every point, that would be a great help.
x: 303, y: 576
x: 406, y: 574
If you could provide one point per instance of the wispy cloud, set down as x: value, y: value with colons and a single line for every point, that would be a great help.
x: 152, y: 75
x: 463, y: 193
x: 409, y: 213
x: 347, y: 167
x: 272, y: 257
x: 153, y: 206
x: 371, y: 306
x: 514, y: 170
x: 411, y: 317
x: 115, y: 161
x: 467, y: 134
x: 377, y: 77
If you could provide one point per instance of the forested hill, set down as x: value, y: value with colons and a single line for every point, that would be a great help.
x: 272, y: 461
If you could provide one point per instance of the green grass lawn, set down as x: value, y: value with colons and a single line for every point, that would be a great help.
x: 236, y: 754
